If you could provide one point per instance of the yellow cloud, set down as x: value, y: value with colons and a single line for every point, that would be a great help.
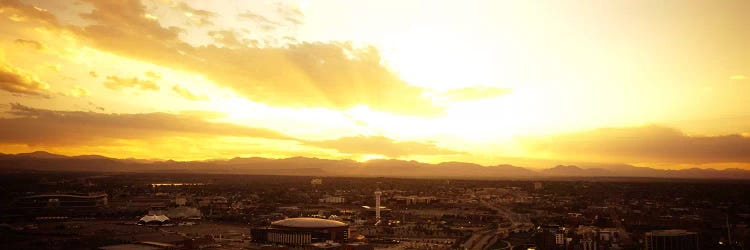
x: 187, y: 94
x: 15, y: 81
x: 116, y: 82
x: 79, y: 91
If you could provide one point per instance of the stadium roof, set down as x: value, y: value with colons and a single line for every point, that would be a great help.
x: 308, y: 223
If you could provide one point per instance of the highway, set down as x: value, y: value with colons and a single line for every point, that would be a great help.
x: 485, y: 238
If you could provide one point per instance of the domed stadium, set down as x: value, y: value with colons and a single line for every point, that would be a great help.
x: 302, y: 231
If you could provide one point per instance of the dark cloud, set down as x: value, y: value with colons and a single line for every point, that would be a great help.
x: 17, y: 82
x: 116, y: 82
x: 475, y: 93
x: 187, y: 94
x: 29, y: 43
x: 32, y: 126
x: 381, y: 145
x: 645, y: 144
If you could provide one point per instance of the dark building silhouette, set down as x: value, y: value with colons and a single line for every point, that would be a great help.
x: 671, y: 240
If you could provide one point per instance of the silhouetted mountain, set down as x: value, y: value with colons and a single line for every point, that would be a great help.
x: 562, y: 170
x: 45, y: 161
x: 91, y: 157
x: 41, y: 155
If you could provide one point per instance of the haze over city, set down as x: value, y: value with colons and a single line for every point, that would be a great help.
x: 661, y: 85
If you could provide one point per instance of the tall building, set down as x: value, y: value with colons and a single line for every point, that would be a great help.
x: 671, y: 240
x: 377, y: 205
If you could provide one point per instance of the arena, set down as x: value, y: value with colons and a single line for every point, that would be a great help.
x: 302, y: 231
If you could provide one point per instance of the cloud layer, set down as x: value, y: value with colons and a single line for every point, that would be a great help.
x: 26, y: 125
x: 382, y: 146
x: 331, y: 75
x: 645, y: 144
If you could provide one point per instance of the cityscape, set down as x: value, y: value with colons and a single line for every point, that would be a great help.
x: 375, y: 125
x: 46, y: 209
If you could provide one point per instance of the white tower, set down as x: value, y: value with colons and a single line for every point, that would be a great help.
x: 377, y: 205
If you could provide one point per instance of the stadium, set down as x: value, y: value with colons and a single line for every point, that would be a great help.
x: 302, y: 231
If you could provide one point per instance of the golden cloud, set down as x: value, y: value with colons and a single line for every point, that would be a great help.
x: 116, y: 82
x: 187, y: 94
x: 330, y: 75
x: 15, y: 81
x: 196, y: 16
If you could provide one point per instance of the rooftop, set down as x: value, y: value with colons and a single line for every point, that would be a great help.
x: 672, y: 232
x: 308, y: 223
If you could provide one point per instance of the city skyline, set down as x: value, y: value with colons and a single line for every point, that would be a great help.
x: 659, y: 85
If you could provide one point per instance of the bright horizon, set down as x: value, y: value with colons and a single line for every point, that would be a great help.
x: 661, y: 85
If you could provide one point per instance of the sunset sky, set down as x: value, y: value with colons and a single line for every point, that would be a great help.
x: 663, y: 84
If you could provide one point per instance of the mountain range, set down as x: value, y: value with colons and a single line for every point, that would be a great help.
x: 303, y: 166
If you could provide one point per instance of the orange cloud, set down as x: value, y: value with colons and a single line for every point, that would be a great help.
x: 652, y: 144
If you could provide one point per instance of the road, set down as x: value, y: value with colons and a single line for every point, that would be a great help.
x: 485, y: 238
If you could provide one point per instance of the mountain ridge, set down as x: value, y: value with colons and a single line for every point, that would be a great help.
x: 45, y: 161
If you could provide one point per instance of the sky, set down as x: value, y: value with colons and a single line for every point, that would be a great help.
x: 662, y: 84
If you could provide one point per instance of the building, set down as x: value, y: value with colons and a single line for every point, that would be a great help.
x: 62, y: 201
x: 414, y: 200
x: 316, y: 181
x: 153, y: 220
x: 333, y: 199
x: 302, y: 231
x: 671, y: 240
x: 377, y: 205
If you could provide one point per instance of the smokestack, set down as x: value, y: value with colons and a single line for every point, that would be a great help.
x: 377, y: 205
